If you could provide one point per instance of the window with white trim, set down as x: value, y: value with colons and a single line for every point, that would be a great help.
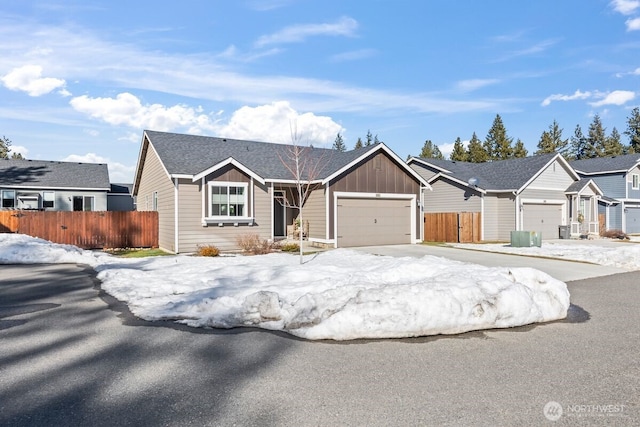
x: 228, y: 199
x: 154, y: 201
x: 8, y: 199
x: 635, y: 181
x: 48, y: 199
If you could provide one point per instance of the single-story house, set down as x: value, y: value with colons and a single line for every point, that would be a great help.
x: 619, y: 179
x: 53, y: 186
x: 210, y: 190
x: 538, y: 193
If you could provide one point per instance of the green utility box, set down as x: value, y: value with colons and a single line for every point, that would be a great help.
x: 525, y: 239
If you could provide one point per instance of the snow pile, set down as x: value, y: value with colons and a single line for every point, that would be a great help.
x: 340, y: 294
x: 624, y: 255
x: 21, y: 249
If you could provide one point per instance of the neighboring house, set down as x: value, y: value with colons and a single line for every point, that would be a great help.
x: 211, y: 190
x: 53, y: 186
x: 538, y: 193
x: 619, y: 179
x: 119, y: 198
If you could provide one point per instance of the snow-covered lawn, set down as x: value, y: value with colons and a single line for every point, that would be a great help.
x: 339, y: 294
x: 616, y: 254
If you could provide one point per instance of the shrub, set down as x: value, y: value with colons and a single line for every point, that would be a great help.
x: 252, y: 244
x: 290, y: 247
x: 614, y: 234
x: 208, y: 250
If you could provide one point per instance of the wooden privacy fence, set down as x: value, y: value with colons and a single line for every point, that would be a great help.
x: 455, y: 227
x: 88, y: 230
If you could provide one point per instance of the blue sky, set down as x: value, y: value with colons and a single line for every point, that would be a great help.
x: 80, y: 80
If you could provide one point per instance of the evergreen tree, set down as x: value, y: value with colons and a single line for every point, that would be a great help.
x: 431, y: 151
x: 358, y: 143
x: 633, y: 131
x: 613, y: 146
x: 369, y: 139
x: 338, y: 144
x: 596, y: 139
x: 376, y: 140
x: 519, y: 149
x: 475, y: 151
x: 458, y: 154
x: 551, y: 141
x: 545, y: 145
x: 5, y: 150
x: 5, y: 147
x: 497, y: 144
x: 578, y: 144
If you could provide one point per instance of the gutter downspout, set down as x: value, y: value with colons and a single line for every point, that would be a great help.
x: 176, y: 242
x: 518, y: 211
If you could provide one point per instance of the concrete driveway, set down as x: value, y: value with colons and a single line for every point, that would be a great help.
x: 72, y: 356
x: 560, y: 269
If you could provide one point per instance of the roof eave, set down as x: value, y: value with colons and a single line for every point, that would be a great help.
x: 229, y: 161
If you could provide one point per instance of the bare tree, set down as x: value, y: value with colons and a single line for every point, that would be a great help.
x: 305, y: 164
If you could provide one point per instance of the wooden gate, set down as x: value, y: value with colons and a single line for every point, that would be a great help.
x: 453, y: 227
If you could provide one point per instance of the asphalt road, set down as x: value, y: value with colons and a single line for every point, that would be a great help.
x: 72, y: 356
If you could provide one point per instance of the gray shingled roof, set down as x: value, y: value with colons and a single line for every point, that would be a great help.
x: 499, y: 175
x: 599, y: 165
x: 578, y: 185
x: 51, y: 174
x: 184, y: 154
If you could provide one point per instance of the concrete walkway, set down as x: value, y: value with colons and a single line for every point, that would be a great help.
x: 560, y: 269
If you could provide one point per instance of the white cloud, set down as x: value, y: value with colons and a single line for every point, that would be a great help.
x: 625, y: 7
x: 345, y: 26
x: 28, y: 78
x: 353, y: 55
x: 20, y: 150
x: 617, y: 97
x: 633, y: 24
x: 474, y: 84
x: 206, y: 76
x: 117, y: 171
x: 273, y: 123
x: 560, y: 97
x: 126, y: 109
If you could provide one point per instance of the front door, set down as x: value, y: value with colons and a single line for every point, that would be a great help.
x: 279, y: 214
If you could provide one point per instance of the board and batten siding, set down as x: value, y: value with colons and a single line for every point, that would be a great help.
x: 449, y: 196
x: 499, y: 216
x: 376, y: 175
x: 155, y: 179
x: 191, y: 232
x: 314, y: 211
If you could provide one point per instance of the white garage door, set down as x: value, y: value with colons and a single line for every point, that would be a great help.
x: 543, y: 218
x: 367, y: 222
x: 633, y: 219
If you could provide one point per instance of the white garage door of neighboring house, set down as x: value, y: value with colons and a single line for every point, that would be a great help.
x: 544, y: 218
x: 367, y: 222
x: 633, y: 219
